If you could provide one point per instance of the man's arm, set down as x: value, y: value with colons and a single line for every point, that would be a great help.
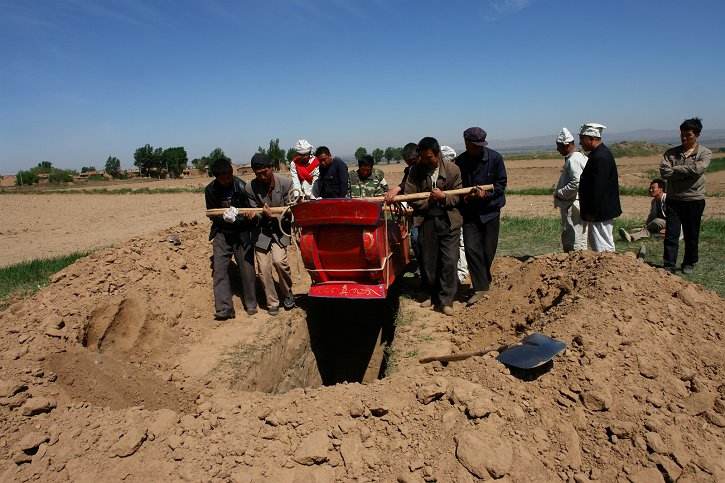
x: 344, y: 180
x: 500, y: 181
x: 570, y: 190
x: 209, y: 199
x: 666, y: 170
x: 293, y: 174
x: 693, y: 170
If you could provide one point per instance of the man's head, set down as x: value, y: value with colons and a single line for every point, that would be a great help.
x: 475, y: 139
x: 657, y: 188
x: 565, y: 142
x: 323, y: 155
x: 410, y: 154
x: 262, y: 167
x: 590, y: 135
x: 690, y: 131
x: 223, y: 172
x: 448, y: 153
x: 365, y: 166
x: 429, y: 152
x: 303, y: 149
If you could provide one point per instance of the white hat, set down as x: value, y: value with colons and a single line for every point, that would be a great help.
x: 592, y: 129
x: 448, y: 153
x: 564, y: 137
x: 303, y: 147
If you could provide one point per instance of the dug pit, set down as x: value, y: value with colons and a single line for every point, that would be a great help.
x: 130, y: 356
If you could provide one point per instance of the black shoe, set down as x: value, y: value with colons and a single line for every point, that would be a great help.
x: 273, y: 310
x: 252, y: 311
x: 670, y: 269
x: 226, y: 316
x: 289, y: 303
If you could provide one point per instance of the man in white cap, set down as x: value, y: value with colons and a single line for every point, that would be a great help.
x: 598, y: 189
x: 566, y: 194
x: 449, y: 154
x: 304, y: 168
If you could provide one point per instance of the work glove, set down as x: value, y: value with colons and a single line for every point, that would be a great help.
x: 230, y: 215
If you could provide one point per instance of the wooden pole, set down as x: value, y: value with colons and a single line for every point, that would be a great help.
x: 278, y: 210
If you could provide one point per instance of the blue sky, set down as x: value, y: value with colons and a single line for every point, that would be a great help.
x: 83, y: 79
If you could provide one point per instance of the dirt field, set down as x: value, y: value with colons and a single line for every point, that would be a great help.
x: 117, y: 372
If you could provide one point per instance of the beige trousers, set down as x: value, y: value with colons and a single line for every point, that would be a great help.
x: 275, y: 260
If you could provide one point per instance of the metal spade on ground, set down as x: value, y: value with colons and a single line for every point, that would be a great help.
x: 532, y: 351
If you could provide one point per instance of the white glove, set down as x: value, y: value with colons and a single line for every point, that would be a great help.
x: 230, y: 215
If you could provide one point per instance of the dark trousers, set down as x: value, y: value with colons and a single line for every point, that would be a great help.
x: 240, y: 246
x: 415, y: 245
x: 439, y: 257
x: 481, y: 241
x: 685, y: 216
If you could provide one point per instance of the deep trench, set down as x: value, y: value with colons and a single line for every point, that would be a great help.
x: 338, y: 341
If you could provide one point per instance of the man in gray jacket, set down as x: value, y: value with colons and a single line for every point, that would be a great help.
x: 683, y: 167
x: 269, y: 189
x: 566, y: 193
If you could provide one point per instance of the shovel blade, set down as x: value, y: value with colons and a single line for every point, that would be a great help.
x: 535, y: 350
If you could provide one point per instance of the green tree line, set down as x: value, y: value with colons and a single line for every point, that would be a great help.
x: 389, y: 154
x: 43, y: 169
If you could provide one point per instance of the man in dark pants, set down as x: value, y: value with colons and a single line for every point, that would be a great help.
x: 439, y: 222
x: 333, y: 180
x: 683, y: 167
x: 481, y: 209
x: 230, y: 235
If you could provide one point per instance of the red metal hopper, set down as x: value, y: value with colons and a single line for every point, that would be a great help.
x: 351, y: 248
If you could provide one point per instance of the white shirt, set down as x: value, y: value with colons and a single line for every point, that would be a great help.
x: 303, y: 186
x: 567, y: 189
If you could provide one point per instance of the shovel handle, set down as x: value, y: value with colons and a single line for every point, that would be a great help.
x: 460, y: 356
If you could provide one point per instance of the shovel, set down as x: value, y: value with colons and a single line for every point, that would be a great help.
x: 532, y: 351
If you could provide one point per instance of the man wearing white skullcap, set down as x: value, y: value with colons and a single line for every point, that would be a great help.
x: 304, y: 168
x: 449, y: 154
x: 598, y: 189
x: 566, y: 193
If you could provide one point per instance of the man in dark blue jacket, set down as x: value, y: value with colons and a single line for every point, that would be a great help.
x: 481, y: 209
x: 230, y: 235
x: 333, y: 180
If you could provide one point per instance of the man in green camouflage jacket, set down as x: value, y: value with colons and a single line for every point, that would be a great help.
x: 367, y: 181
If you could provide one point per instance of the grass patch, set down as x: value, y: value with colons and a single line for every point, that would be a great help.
x: 717, y: 164
x: 27, y: 277
x: 522, y: 236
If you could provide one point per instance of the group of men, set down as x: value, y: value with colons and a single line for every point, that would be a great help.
x: 452, y: 235
x: 588, y: 195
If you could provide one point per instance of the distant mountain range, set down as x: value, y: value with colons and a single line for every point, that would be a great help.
x: 710, y: 138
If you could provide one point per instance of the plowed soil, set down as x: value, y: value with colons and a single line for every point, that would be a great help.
x: 116, y: 371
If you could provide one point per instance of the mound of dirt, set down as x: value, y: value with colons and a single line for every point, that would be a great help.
x: 116, y: 371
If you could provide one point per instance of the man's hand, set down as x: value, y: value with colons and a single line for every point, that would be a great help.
x: 391, y: 194
x: 248, y: 214
x: 230, y: 215
x: 437, y: 194
x: 266, y: 212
